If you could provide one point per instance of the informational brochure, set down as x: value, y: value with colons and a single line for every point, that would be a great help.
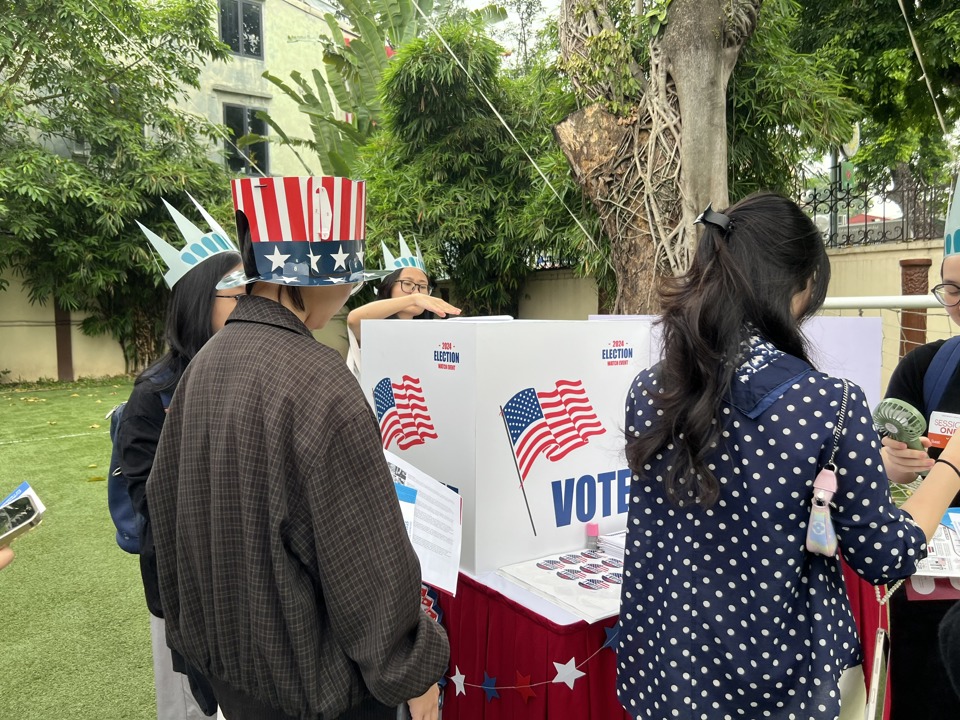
x: 943, y: 551
x: 938, y: 574
x: 583, y: 582
x: 436, y: 531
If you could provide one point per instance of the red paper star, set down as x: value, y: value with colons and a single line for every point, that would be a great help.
x: 523, y: 687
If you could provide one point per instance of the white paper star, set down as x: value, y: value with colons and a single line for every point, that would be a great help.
x: 341, y: 258
x: 315, y: 260
x: 567, y: 673
x: 277, y: 259
x: 359, y: 255
x: 337, y: 280
x: 458, y: 680
x: 288, y: 280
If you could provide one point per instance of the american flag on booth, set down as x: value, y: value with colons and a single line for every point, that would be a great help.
x: 552, y: 423
x: 402, y: 412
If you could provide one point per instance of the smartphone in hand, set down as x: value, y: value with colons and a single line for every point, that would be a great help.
x: 20, y: 512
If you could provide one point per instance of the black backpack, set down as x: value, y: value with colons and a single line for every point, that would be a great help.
x: 125, y: 518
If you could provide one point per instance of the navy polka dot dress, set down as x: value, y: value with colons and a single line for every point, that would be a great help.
x: 724, y: 614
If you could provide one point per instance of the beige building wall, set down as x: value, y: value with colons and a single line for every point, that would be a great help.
x: 558, y: 295
x: 290, y: 32
x: 875, y: 270
x: 28, y: 344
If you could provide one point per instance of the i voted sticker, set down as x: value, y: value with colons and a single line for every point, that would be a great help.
x: 549, y: 564
x: 571, y: 559
x: 571, y: 574
x: 613, y: 578
x: 612, y: 562
x: 593, y: 584
x: 593, y: 568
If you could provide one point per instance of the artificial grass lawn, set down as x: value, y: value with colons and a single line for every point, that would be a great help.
x: 76, y: 638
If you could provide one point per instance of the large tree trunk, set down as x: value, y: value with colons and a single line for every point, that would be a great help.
x: 649, y: 175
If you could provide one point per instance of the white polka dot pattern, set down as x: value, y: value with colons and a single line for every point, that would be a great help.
x: 723, y: 612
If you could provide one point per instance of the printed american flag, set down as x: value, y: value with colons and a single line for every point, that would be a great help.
x: 553, y: 423
x: 402, y: 412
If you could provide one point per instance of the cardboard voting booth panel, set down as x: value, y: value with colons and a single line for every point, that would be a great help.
x: 526, y: 418
x: 480, y: 405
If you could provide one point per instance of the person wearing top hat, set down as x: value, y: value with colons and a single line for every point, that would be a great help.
x: 286, y: 574
x: 404, y: 293
x: 196, y: 310
x: 919, y: 682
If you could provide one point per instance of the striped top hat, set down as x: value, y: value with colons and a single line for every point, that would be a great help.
x: 300, y: 230
x: 951, y: 231
x: 200, y: 245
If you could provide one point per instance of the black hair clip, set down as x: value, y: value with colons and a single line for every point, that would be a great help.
x: 711, y: 217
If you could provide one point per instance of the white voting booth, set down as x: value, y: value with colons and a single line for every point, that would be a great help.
x: 478, y: 403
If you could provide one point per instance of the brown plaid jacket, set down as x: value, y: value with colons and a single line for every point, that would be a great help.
x: 284, y: 567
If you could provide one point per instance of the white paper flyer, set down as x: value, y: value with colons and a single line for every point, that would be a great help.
x: 437, y: 528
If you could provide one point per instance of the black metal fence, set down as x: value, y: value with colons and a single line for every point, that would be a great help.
x: 851, y: 215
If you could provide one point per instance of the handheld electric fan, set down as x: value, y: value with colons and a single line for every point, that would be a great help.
x: 901, y: 421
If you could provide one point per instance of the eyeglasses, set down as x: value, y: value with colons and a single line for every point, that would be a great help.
x: 408, y: 286
x: 227, y: 297
x: 947, y: 294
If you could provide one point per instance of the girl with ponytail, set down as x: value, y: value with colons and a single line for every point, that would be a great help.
x: 724, y: 611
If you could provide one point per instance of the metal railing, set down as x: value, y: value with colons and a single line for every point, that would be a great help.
x: 855, y: 214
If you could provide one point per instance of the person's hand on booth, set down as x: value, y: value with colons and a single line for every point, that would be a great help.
x: 903, y: 463
x: 6, y: 557
x: 403, y: 307
x: 427, y: 706
x: 438, y: 306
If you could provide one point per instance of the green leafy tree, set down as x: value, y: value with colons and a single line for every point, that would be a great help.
x: 91, y: 137
x: 899, y: 125
x: 674, y: 90
x: 353, y: 66
x: 445, y: 171
x: 903, y: 145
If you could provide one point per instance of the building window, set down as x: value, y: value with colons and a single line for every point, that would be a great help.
x: 241, y: 27
x: 242, y: 121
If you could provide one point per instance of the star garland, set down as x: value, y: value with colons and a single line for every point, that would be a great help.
x: 567, y: 673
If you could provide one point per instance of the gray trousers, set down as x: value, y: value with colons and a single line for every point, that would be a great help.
x: 174, y: 697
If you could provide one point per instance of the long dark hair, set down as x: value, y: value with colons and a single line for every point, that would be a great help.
x: 741, y: 282
x: 386, y: 285
x: 188, y: 318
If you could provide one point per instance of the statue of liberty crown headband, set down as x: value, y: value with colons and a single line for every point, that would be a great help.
x: 405, y: 259
x: 951, y: 231
x: 200, y: 245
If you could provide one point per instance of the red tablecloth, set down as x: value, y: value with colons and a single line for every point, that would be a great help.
x: 494, y: 635
x: 495, y: 640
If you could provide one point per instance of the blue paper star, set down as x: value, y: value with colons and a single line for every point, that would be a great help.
x: 612, y: 633
x: 489, y: 688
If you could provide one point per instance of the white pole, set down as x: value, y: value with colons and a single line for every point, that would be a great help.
x: 894, y: 302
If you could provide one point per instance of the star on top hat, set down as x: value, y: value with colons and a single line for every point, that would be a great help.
x: 200, y: 245
x: 300, y: 230
x: 405, y: 259
x: 951, y: 232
